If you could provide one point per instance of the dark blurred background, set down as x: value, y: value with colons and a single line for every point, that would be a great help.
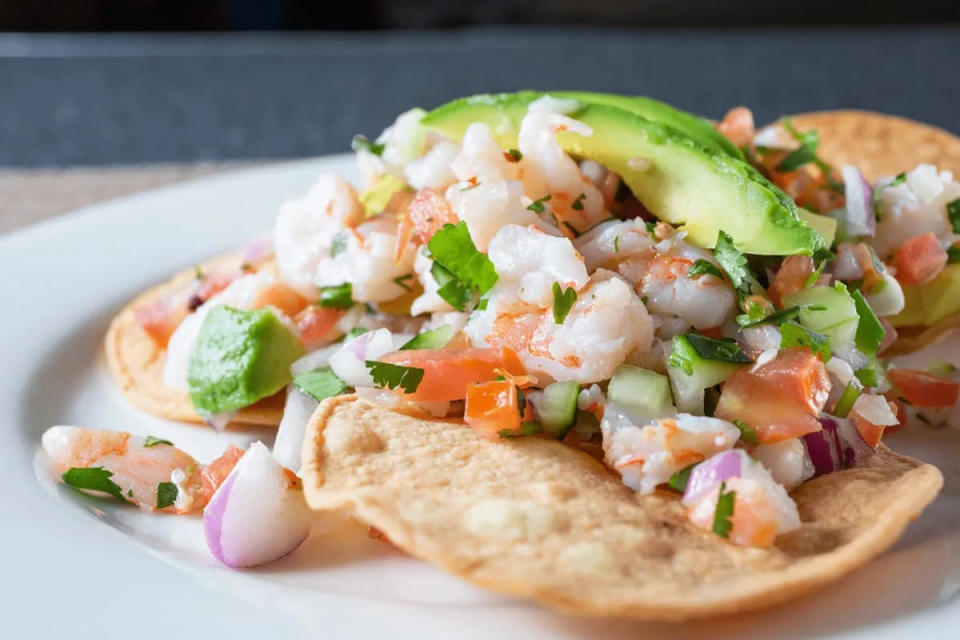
x: 228, y: 15
x: 143, y: 81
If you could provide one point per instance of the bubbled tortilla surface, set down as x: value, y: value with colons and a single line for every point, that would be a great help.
x: 537, y: 519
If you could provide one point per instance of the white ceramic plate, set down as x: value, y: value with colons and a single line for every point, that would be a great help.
x: 79, y: 567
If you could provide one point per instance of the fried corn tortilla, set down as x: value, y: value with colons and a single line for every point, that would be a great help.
x: 136, y: 362
x: 534, y: 518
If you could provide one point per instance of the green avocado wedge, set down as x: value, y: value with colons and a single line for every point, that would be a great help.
x: 685, y: 183
x: 240, y: 357
x: 515, y: 106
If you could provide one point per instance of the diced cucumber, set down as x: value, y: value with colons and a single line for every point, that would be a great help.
x: 643, y: 392
x: 827, y: 310
x: 556, y: 407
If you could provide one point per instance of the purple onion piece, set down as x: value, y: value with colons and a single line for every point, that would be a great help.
x: 820, y: 452
x: 861, y: 216
x: 213, y: 518
x: 711, y: 472
x: 257, y: 249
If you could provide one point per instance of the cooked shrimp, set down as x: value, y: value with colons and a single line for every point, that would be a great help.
x: 433, y: 170
x: 610, y: 243
x: 136, y: 470
x: 547, y: 170
x: 646, y: 456
x: 306, y: 230
x: 481, y: 159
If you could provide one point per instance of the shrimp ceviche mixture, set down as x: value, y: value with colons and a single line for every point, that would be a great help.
x: 703, y: 306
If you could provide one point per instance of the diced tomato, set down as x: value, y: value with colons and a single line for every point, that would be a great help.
x: 919, y: 259
x: 713, y: 332
x: 793, y: 274
x: 924, y: 389
x: 429, y: 211
x: 447, y: 373
x: 282, y: 297
x: 492, y: 407
x: 160, y: 319
x: 871, y: 433
x: 737, y: 125
x: 779, y: 400
x: 216, y: 472
x: 316, y: 324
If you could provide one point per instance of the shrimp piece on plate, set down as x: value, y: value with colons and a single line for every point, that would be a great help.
x: 481, y: 159
x: 139, y: 471
x: 612, y: 242
x: 486, y: 207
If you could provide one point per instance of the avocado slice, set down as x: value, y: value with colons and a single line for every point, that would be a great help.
x: 515, y: 104
x: 686, y: 183
x: 240, y: 357
x: 931, y: 302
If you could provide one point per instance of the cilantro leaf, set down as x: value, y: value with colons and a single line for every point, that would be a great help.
x: 527, y: 428
x: 337, y: 297
x: 796, y: 335
x: 432, y: 339
x: 700, y: 267
x: 450, y: 288
x: 400, y: 281
x: 734, y: 262
x: 562, y: 302
x: 320, y: 383
x: 953, y: 213
x: 393, y: 376
x: 453, y: 248
x: 725, y: 505
x: 513, y: 155
x: 93, y: 479
x: 153, y: 441
x: 953, y: 254
x: 166, y: 494
x: 537, y: 205
x: 747, y: 434
x: 362, y: 143
x: 578, y: 202
x: 870, y: 332
x: 616, y: 247
x: 747, y: 320
x: 482, y: 305
x: 339, y: 244
x: 678, y: 481
x: 797, y: 158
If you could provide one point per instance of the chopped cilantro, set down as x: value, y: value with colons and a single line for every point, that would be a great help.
x: 850, y: 394
x: 870, y: 332
x: 795, y: 335
x: 562, y: 302
x: 339, y: 244
x: 725, y: 505
x: 400, y: 281
x: 953, y: 212
x: 362, y: 143
x: 452, y: 248
x: 734, y: 262
x: 153, y: 441
x: 513, y: 155
x: 432, y: 339
x: 473, y: 185
x: 93, y: 479
x: 747, y: 320
x: 450, y: 288
x: 393, y: 376
x: 578, y: 202
x: 368, y: 308
x: 320, y: 383
x: 482, y: 305
x: 724, y: 350
x: 573, y: 229
x: 953, y: 255
x: 650, y: 226
x: 616, y: 245
x: 747, y: 434
x: 704, y: 267
x: 527, y: 428
x: 197, y: 272
x: 797, y: 158
x: 166, y: 494
x: 353, y: 333
x: 337, y: 297
x: 900, y: 179
x: 678, y: 481
x: 537, y: 205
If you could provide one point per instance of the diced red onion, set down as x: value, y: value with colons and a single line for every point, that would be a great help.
x: 257, y: 249
x: 256, y: 516
x: 855, y: 449
x: 845, y: 265
x: 861, y: 217
x: 710, y: 473
x: 821, y: 447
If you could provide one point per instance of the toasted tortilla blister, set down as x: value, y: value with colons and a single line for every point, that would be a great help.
x: 535, y: 518
x: 136, y: 362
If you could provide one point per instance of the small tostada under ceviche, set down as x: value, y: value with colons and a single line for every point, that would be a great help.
x: 583, y: 348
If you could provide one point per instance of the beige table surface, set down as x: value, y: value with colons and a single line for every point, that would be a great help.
x: 28, y: 196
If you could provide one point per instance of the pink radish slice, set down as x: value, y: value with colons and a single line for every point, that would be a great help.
x: 257, y: 515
